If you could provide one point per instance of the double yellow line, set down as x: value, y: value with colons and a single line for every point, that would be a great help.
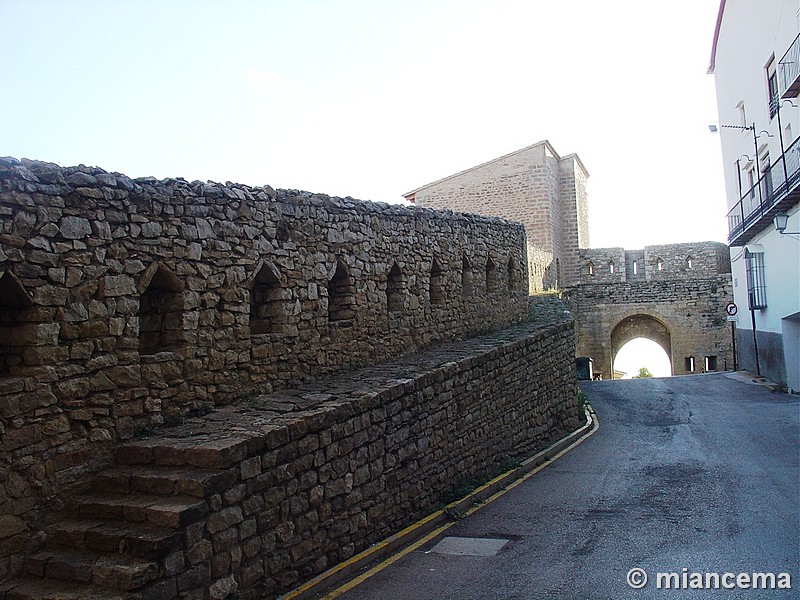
x: 475, y: 500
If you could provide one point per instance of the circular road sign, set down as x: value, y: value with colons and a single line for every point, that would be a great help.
x: 731, y: 309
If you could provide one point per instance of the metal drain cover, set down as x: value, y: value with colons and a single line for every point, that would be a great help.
x: 464, y: 546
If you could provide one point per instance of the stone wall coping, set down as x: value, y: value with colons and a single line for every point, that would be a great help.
x: 271, y: 420
x: 51, y: 179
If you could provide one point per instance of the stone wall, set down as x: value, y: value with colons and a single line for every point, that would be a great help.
x: 672, y: 294
x: 125, y: 303
x: 285, y: 485
x: 535, y: 186
x: 662, y: 262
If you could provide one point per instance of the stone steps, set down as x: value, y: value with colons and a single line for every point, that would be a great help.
x: 120, y: 540
x: 172, y: 512
x: 218, y: 451
x: 115, y: 572
x: 26, y: 588
x: 164, y: 480
x: 125, y: 538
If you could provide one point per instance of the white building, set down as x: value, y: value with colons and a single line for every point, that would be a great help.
x: 756, y: 66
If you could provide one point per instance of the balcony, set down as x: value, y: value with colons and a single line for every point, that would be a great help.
x: 776, y: 191
x: 789, y: 71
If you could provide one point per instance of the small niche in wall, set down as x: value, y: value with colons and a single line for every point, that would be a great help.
x: 436, y: 283
x: 491, y: 276
x: 161, y: 310
x: 341, y: 296
x: 266, y: 303
x: 511, y: 273
x: 394, y: 289
x: 466, y: 278
x: 13, y: 300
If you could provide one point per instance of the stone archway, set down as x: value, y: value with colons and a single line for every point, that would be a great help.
x: 641, y: 326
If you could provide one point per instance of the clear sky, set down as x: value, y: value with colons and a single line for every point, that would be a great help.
x: 371, y: 98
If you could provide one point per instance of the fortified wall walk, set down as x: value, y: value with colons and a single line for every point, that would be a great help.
x: 133, y: 311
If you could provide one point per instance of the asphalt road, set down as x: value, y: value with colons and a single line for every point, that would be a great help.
x: 697, y: 473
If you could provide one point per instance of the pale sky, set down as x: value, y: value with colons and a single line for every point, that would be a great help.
x: 371, y: 99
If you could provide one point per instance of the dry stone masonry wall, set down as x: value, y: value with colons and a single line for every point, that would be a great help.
x: 262, y: 494
x: 125, y: 303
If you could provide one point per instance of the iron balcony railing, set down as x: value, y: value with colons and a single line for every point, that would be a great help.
x: 774, y: 185
x: 789, y: 70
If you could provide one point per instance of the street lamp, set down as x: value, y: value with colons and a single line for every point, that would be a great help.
x: 781, y: 220
x: 765, y: 177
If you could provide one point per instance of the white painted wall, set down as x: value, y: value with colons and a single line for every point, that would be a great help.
x: 782, y: 273
x: 752, y: 31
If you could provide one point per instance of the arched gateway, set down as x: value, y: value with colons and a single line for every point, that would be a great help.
x: 641, y: 326
x: 674, y: 295
x: 687, y: 284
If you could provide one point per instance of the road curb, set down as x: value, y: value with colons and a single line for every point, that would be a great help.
x: 418, y: 533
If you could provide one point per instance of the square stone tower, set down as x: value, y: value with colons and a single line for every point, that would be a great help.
x: 536, y: 187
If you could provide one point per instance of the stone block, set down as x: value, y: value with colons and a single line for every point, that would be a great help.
x: 75, y: 228
x: 224, y: 519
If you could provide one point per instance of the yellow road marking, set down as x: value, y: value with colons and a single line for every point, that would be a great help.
x: 425, y: 539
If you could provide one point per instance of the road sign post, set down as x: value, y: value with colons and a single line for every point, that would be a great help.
x: 731, y: 311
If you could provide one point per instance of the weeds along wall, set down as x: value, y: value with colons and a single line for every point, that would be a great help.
x: 124, y: 302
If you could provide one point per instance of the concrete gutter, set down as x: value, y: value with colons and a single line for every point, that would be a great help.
x: 356, y: 569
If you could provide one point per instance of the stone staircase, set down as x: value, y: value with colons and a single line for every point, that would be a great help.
x: 125, y: 538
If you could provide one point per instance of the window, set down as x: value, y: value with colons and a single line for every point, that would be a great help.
x: 394, y: 289
x: 742, y: 114
x: 711, y: 363
x: 751, y: 181
x: 611, y: 266
x: 659, y: 264
x: 13, y: 299
x: 161, y: 313
x: 341, y: 296
x: 756, y: 285
x: 772, y: 87
x: 766, y: 175
x: 466, y: 278
x: 689, y: 364
x: 635, y: 267
x: 689, y: 262
x: 266, y: 303
x: 590, y: 268
x: 491, y: 276
x: 436, y: 284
